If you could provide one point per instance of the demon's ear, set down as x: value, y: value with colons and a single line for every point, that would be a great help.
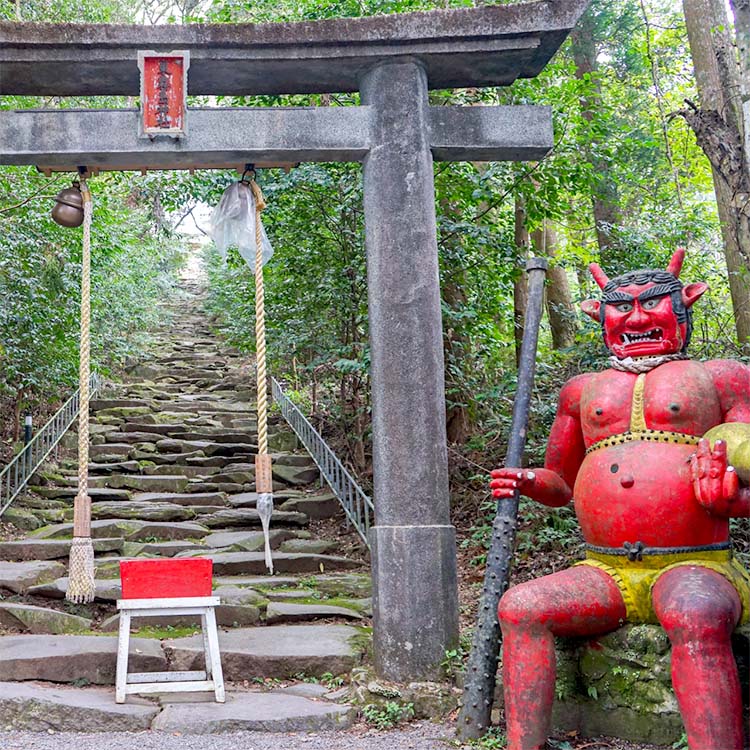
x: 592, y: 307
x: 693, y: 292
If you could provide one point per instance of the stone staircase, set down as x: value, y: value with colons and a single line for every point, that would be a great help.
x: 172, y: 475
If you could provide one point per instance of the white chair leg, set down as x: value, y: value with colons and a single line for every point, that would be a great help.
x: 206, y: 646
x: 123, y: 647
x: 209, y: 628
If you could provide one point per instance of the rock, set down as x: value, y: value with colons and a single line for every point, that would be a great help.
x: 18, y: 577
x: 283, y: 441
x: 40, y: 619
x: 295, y: 475
x: 274, y: 651
x: 110, y: 450
x: 309, y: 546
x: 124, y: 412
x: 149, y: 530
x: 100, y: 405
x: 266, y: 712
x: 431, y: 699
x: 21, y: 519
x: 243, y: 500
x: 118, y: 466
x: 312, y: 690
x: 256, y: 582
x: 192, y: 472
x: 314, y: 506
x: 349, y: 584
x: 239, y: 596
x: 277, y: 612
x: 68, y: 658
x: 239, y: 563
x: 50, y: 549
x: 40, y: 708
x: 105, y: 590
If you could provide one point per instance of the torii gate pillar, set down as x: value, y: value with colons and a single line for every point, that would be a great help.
x: 415, y: 599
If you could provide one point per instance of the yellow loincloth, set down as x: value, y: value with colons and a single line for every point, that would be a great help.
x: 636, y: 579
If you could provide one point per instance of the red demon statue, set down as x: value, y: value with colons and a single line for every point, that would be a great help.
x: 653, y: 498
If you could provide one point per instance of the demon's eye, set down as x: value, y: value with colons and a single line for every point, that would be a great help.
x: 624, y: 307
x: 650, y: 304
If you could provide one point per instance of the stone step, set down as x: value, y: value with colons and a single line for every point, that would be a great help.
x: 169, y: 445
x: 248, y: 541
x: 131, y: 467
x: 105, y: 590
x: 69, y: 658
x: 187, y: 498
x: 142, y: 511
x: 233, y: 517
x: 314, y: 506
x: 253, y: 563
x: 130, y: 530
x: 51, y: 549
x: 278, y: 612
x: 142, y: 482
x: 255, y: 712
x: 34, y: 707
x: 95, y: 493
x: 17, y: 616
x: 19, y: 577
x: 279, y: 651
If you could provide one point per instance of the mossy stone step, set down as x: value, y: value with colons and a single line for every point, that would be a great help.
x: 279, y: 651
x: 17, y: 616
x: 142, y: 482
x: 105, y: 590
x: 249, y: 517
x: 130, y: 530
x: 186, y: 498
x: 142, y: 511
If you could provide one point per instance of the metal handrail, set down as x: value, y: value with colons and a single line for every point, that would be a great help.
x: 15, y: 476
x: 357, y: 505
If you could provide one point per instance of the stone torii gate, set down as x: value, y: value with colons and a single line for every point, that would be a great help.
x: 392, y: 61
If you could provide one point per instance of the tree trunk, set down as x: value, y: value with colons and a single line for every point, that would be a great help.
x: 719, y: 129
x: 521, y: 284
x: 560, y: 309
x: 741, y: 9
x: 605, y: 195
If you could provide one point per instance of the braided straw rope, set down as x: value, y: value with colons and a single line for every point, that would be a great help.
x: 260, y: 324
x: 81, y: 569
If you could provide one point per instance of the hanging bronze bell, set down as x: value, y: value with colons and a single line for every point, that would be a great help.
x: 68, y: 209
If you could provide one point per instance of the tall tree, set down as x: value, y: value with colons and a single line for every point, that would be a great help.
x: 720, y: 130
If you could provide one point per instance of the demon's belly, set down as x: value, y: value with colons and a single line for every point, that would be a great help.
x: 642, y: 492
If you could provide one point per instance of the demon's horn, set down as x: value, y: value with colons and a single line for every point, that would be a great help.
x: 675, y: 265
x: 599, y: 276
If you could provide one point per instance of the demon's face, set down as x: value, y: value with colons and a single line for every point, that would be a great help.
x: 639, y: 321
x: 645, y: 313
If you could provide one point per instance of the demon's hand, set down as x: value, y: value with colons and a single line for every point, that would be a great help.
x: 506, y: 481
x: 715, y: 482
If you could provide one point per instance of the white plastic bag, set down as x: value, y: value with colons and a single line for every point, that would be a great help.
x: 233, y: 224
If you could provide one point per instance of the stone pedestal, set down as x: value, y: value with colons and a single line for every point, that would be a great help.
x: 620, y: 684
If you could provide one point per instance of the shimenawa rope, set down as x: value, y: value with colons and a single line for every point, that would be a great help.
x: 263, y: 474
x: 81, y: 570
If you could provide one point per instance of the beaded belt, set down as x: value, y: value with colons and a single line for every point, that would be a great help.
x: 636, y: 550
x: 653, y: 436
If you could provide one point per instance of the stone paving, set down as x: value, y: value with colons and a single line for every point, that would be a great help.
x: 172, y: 475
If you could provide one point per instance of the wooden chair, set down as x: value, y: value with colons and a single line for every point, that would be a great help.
x: 168, y: 587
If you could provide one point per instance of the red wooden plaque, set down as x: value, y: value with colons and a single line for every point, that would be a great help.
x: 163, y: 93
x: 165, y: 579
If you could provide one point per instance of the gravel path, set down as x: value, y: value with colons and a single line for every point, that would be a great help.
x: 418, y: 736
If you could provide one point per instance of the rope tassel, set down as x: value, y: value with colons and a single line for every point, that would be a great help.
x: 81, y: 586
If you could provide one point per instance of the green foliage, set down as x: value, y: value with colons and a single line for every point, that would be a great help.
x: 389, y: 715
x: 493, y: 739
